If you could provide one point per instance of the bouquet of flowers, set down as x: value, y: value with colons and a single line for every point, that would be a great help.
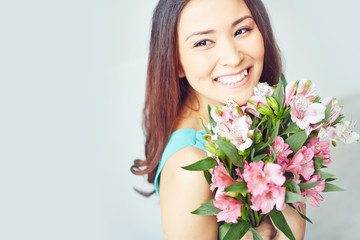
x: 268, y: 154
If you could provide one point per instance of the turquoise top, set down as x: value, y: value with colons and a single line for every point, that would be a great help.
x: 178, y: 140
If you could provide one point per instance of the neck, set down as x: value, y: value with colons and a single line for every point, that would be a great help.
x: 192, y: 113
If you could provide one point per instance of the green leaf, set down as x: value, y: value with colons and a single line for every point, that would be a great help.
x: 300, y: 214
x: 326, y: 175
x: 253, y: 125
x: 280, y: 222
x: 327, y: 111
x: 283, y: 80
x: 304, y: 186
x: 294, y: 197
x: 256, y: 235
x: 231, y: 152
x: 332, y: 188
x: 316, y: 100
x: 202, y: 165
x: 244, y: 213
x: 286, y: 114
x: 292, y: 128
x: 275, y: 133
x: 338, y: 120
x: 261, y: 146
x: 237, y: 230
x: 293, y: 186
x: 238, y: 187
x: 252, y: 154
x: 278, y: 94
x: 318, y: 162
x: 259, y: 157
x: 330, y: 179
x: 223, y: 229
x: 212, y: 121
x: 207, y: 208
x: 296, y: 141
x: 272, y: 150
x: 207, y: 176
x: 206, y: 129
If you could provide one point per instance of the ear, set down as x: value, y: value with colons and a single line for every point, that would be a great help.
x: 181, y: 73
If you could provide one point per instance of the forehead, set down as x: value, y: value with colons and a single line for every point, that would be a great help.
x: 199, y: 15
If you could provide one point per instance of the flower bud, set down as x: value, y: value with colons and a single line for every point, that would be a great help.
x: 207, y: 138
x: 272, y: 103
x: 210, y: 148
x: 232, y: 194
x: 264, y: 110
x: 268, y: 159
x: 257, y: 137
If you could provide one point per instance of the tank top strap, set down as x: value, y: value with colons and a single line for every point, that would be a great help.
x: 178, y: 140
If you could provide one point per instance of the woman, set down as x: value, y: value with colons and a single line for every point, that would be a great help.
x: 202, y: 52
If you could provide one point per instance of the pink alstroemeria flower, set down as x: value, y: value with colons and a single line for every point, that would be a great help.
x: 326, y: 130
x: 219, y: 114
x: 335, y: 109
x: 220, y: 177
x: 320, y: 149
x: 275, y: 195
x: 259, y: 178
x: 282, y: 151
x: 255, y: 177
x: 312, y: 195
x: 261, y: 91
x: 307, y: 89
x: 304, y: 112
x: 290, y: 91
x: 234, y: 110
x: 231, y: 209
x: 302, y: 164
x: 274, y: 174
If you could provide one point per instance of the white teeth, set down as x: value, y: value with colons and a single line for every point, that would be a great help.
x: 233, y: 79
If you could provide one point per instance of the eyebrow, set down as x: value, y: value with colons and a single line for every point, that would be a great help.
x: 212, y: 31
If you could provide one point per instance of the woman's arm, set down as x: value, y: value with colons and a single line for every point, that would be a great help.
x: 181, y: 192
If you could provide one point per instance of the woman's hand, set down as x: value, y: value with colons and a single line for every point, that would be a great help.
x: 266, y: 229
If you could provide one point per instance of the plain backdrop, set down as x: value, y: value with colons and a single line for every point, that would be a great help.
x: 72, y: 77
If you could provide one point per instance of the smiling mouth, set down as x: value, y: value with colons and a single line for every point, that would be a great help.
x: 233, y: 79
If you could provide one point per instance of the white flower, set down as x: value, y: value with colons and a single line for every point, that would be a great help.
x: 238, y: 132
x: 345, y: 133
x: 304, y: 112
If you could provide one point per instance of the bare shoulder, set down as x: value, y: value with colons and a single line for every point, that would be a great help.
x: 181, y: 192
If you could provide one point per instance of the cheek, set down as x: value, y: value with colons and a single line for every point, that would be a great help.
x: 255, y: 46
x: 197, y: 66
x: 259, y: 50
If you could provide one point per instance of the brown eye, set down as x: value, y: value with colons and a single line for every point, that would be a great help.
x: 202, y: 43
x: 242, y: 31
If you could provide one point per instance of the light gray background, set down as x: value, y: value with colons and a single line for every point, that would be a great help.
x: 72, y: 76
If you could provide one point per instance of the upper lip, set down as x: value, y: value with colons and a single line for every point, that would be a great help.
x: 232, y: 74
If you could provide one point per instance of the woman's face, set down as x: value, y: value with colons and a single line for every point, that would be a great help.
x: 221, y: 50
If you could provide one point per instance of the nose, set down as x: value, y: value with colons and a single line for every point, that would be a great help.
x: 230, y: 53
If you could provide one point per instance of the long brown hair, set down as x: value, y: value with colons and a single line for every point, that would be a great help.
x: 166, y: 94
